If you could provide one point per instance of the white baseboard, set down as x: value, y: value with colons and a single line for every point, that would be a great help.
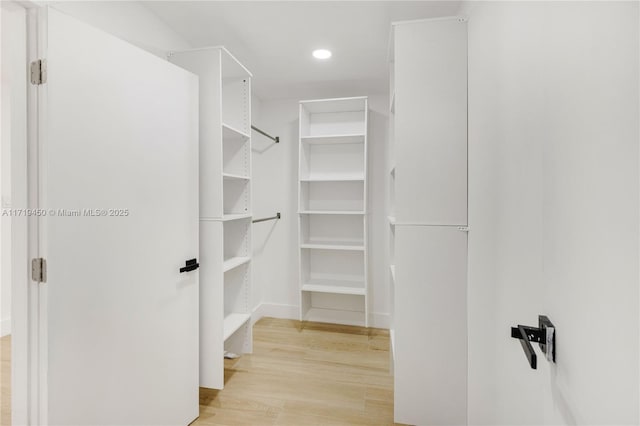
x: 379, y: 320
x: 5, y: 327
x: 276, y: 310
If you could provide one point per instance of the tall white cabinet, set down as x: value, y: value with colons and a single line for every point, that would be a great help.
x: 225, y: 207
x: 332, y: 204
x: 428, y: 220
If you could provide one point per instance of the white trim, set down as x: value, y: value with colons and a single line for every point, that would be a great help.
x: 5, y: 327
x: 23, y: 322
x: 275, y: 310
x: 379, y: 320
x: 39, y: 404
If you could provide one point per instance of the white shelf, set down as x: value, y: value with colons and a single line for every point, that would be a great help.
x: 233, y: 322
x: 234, y: 262
x: 232, y: 176
x: 331, y: 212
x: 334, y: 287
x: 392, y: 268
x: 334, y: 139
x: 356, y: 103
x: 232, y: 133
x: 334, y: 179
x: 336, y: 245
x: 238, y: 216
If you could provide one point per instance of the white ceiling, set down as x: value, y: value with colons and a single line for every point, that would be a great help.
x: 274, y: 39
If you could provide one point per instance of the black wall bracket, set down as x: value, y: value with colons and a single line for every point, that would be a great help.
x: 544, y: 335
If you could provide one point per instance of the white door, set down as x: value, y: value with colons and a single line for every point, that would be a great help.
x: 121, y: 136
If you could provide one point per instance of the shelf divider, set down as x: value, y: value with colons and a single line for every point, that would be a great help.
x: 233, y: 322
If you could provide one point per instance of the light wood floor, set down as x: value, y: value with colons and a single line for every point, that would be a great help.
x: 299, y: 374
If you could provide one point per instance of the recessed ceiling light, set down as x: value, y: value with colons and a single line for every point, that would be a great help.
x: 322, y: 54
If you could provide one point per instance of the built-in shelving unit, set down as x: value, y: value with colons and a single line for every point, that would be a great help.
x: 332, y: 194
x: 225, y: 207
x: 427, y: 223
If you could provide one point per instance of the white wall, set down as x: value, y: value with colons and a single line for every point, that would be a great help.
x: 130, y: 21
x: 553, y: 210
x: 275, y: 174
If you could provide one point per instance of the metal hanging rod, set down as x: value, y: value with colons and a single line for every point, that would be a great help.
x: 264, y: 219
x: 276, y: 139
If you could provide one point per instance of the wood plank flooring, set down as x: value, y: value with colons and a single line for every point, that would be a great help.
x: 299, y: 374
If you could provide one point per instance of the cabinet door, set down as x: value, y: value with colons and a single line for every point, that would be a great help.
x: 431, y: 122
x: 431, y: 325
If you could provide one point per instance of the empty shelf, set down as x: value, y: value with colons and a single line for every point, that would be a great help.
x: 334, y: 179
x: 333, y: 245
x: 236, y: 216
x: 334, y: 139
x: 233, y: 322
x: 335, y: 287
x: 234, y: 177
x: 318, y: 106
x: 234, y: 262
x: 331, y: 212
x: 229, y: 132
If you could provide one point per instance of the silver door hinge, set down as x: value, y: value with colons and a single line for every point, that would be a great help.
x: 39, y: 71
x: 39, y: 270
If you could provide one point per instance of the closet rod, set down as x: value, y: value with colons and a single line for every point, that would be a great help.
x: 277, y: 216
x: 276, y: 139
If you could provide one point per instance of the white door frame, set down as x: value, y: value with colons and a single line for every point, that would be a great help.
x: 20, y: 286
x: 25, y: 318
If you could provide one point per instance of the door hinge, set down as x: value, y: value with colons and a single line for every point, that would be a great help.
x: 39, y: 270
x: 39, y: 71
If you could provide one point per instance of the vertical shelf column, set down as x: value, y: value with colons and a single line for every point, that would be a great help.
x: 225, y: 207
x: 332, y: 202
x: 428, y: 196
